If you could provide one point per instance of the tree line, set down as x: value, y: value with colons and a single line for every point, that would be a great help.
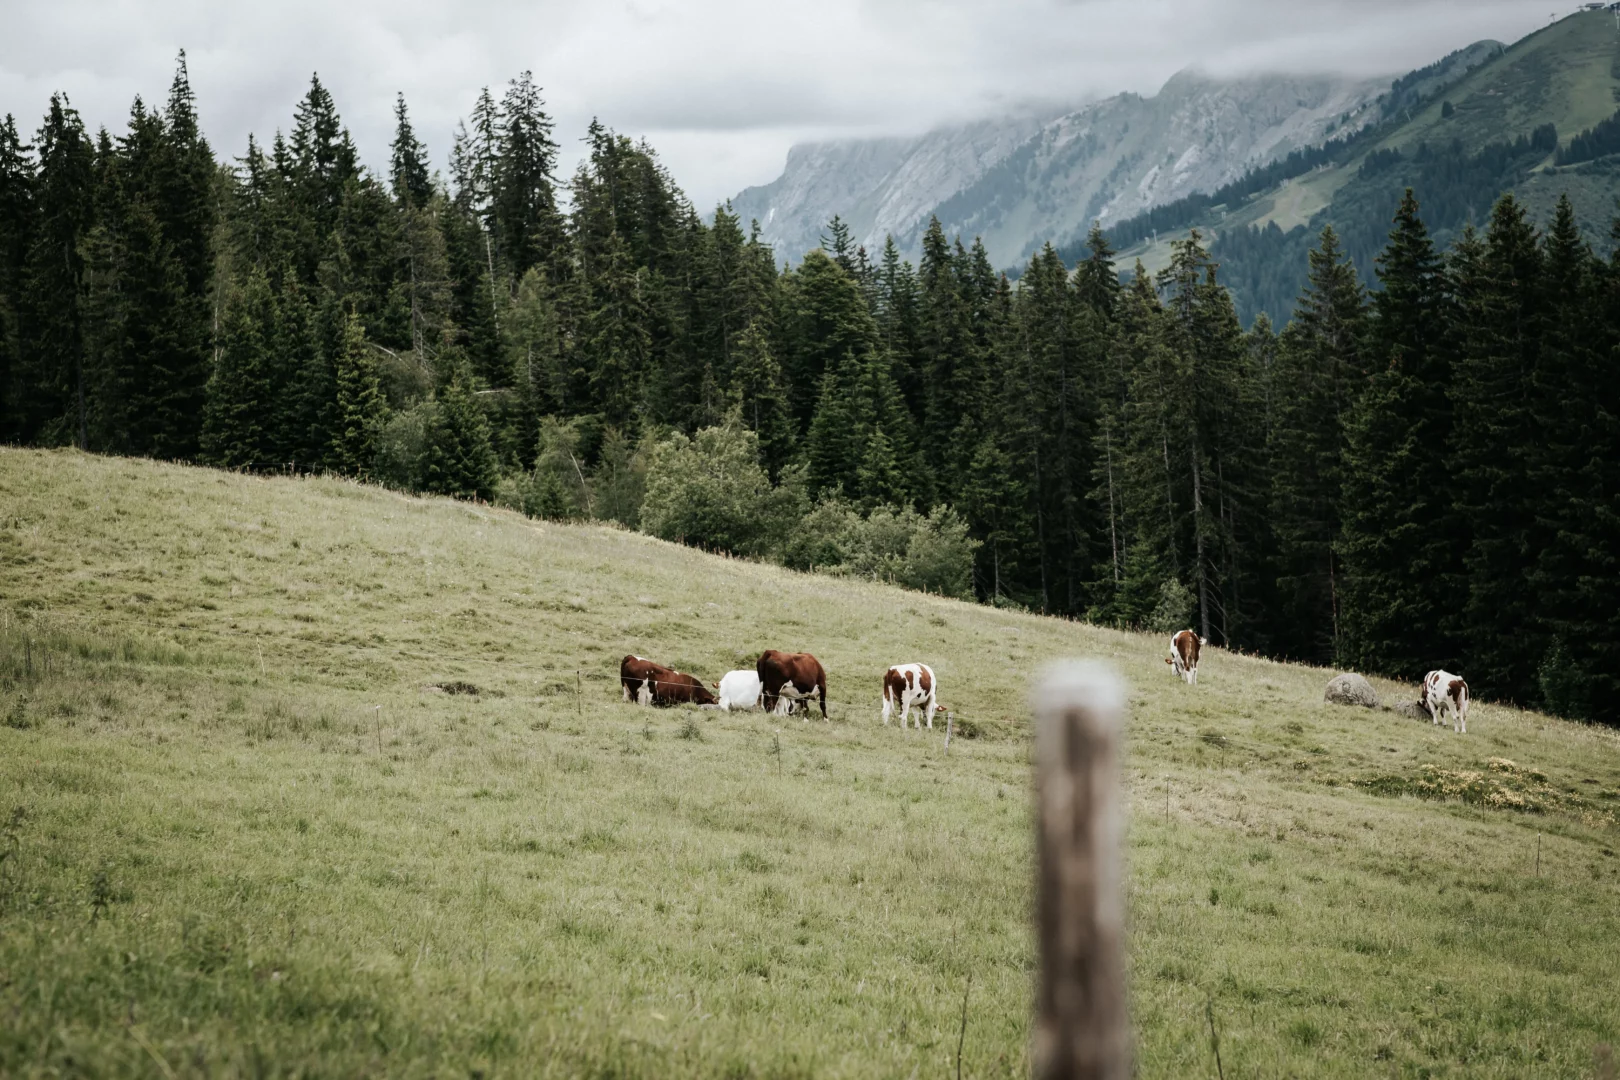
x: 1406, y: 477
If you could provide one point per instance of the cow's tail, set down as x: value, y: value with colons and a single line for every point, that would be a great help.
x: 821, y: 690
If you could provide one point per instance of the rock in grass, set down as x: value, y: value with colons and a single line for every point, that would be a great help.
x: 1351, y: 689
x: 1412, y: 710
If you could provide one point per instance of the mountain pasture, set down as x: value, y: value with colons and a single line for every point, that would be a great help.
x: 302, y: 776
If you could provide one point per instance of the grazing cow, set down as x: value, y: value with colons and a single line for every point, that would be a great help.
x: 636, y: 677
x: 1183, y: 658
x: 1444, y: 692
x: 739, y: 690
x: 791, y: 678
x: 647, y: 682
x: 910, y: 684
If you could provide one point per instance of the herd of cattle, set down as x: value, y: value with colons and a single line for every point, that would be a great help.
x: 782, y: 682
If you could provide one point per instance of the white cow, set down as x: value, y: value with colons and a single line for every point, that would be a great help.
x: 1444, y: 693
x: 908, y: 685
x: 739, y: 690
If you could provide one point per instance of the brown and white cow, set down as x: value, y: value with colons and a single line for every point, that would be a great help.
x: 636, y: 677
x: 1444, y: 692
x: 1183, y: 658
x: 647, y: 682
x: 907, y: 685
x: 789, y: 678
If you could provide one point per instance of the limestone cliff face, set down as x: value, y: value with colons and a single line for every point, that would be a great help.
x: 1020, y: 181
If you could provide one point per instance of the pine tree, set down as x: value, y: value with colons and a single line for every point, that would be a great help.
x: 457, y: 457
x: 186, y: 209
x: 241, y: 388
x: 828, y: 321
x: 837, y: 243
x: 1096, y: 281
x: 1493, y: 437
x: 528, y: 228
x: 52, y: 404
x: 408, y: 167
x: 1319, y: 376
x: 16, y: 227
x: 1399, y: 542
x: 943, y: 344
x: 760, y: 390
x: 360, y: 404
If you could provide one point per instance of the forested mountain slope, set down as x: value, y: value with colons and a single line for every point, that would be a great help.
x: 1017, y: 182
x: 1513, y: 123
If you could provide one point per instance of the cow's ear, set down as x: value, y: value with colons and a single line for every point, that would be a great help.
x: 717, y: 686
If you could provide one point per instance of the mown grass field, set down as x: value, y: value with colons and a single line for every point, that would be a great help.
x: 238, y: 836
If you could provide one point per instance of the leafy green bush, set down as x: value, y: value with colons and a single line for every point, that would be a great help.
x: 710, y: 490
x: 400, y: 445
x: 1174, y: 611
x: 930, y: 553
x: 556, y: 487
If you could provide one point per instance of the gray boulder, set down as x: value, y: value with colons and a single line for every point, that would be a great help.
x: 1412, y: 710
x: 1351, y: 690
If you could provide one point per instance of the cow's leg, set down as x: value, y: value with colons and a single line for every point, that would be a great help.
x: 932, y: 705
x: 624, y: 689
x: 888, y: 708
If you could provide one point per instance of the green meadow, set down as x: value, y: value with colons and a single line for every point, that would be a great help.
x: 245, y: 829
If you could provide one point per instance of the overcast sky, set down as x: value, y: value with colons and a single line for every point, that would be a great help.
x: 721, y: 88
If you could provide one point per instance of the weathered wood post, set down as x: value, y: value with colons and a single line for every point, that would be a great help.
x: 1081, y: 1028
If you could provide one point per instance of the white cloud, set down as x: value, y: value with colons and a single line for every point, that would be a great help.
x: 720, y: 87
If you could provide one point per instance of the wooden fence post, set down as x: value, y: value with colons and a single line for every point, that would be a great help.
x: 1081, y: 1028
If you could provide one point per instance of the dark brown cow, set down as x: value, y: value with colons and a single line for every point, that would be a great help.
x: 679, y: 688
x: 647, y: 682
x: 791, y: 677
x: 1183, y: 658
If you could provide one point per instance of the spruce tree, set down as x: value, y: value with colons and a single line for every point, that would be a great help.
x: 408, y: 174
x: 1319, y: 376
x: 528, y: 228
x: 760, y: 390
x: 184, y: 204
x: 52, y: 402
x: 242, y: 387
x: 1493, y: 441
x: 16, y: 228
x: 360, y: 408
x: 457, y: 456
x: 1399, y: 541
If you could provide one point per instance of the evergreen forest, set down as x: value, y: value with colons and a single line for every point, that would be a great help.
x: 1419, y: 470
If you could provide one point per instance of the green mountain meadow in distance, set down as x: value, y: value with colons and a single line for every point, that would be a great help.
x: 1511, y: 122
x: 300, y: 776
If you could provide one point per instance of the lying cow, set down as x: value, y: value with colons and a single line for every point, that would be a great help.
x: 647, y: 682
x: 1183, y: 658
x: 739, y: 690
x: 908, y: 685
x: 1444, y: 693
x: 791, y: 678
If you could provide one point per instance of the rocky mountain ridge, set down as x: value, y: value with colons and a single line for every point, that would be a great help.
x: 1019, y: 181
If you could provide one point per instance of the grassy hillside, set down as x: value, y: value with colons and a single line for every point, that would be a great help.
x: 1567, y: 73
x: 242, y: 832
